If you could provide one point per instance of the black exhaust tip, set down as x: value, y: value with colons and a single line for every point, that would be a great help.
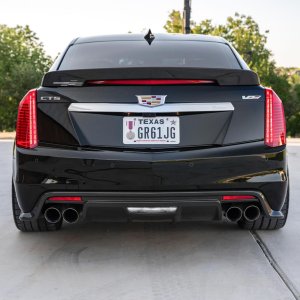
x: 52, y: 215
x: 70, y: 215
x: 234, y: 214
x: 252, y: 213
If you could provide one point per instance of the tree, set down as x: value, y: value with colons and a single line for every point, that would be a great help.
x: 174, y: 24
x: 293, y: 122
x: 22, y: 64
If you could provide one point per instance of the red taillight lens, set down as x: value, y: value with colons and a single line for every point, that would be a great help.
x: 66, y: 198
x: 237, y: 197
x: 26, y: 131
x: 275, y: 128
x: 150, y: 82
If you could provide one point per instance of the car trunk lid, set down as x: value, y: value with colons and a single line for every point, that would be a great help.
x: 228, y: 108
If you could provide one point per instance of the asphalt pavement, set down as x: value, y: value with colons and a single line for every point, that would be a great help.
x: 161, y: 261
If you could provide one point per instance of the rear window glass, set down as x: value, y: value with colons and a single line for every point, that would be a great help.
x: 126, y: 54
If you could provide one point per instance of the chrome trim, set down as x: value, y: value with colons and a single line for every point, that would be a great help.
x: 136, y: 108
x: 152, y: 210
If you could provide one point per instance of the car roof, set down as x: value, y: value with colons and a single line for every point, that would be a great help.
x: 158, y: 37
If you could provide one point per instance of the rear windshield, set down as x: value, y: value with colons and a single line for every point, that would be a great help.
x: 134, y: 54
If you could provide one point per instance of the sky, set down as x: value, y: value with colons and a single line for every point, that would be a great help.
x: 57, y: 22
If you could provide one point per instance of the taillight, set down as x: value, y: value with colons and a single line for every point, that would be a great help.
x: 150, y: 82
x: 275, y: 128
x: 26, y: 131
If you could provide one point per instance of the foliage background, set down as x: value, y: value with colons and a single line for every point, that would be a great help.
x: 23, y: 62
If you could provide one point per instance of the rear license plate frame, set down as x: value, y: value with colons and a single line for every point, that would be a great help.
x: 140, y: 130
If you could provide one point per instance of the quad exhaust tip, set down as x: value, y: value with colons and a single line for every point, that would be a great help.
x: 52, y: 215
x: 70, y: 215
x: 251, y: 213
x: 234, y: 213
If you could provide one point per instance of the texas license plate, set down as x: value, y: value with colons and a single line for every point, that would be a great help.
x: 153, y: 130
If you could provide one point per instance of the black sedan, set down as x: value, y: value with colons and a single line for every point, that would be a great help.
x: 157, y: 127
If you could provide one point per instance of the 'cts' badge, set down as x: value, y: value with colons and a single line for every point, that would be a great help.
x: 151, y: 101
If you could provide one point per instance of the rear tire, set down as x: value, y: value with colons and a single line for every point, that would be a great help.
x: 37, y: 225
x: 267, y: 223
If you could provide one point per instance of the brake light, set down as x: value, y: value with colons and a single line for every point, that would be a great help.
x: 26, y: 129
x: 237, y: 197
x: 275, y: 128
x: 150, y: 82
x: 66, y: 198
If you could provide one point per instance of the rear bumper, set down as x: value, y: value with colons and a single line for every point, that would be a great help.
x: 115, y: 206
x: 195, y: 179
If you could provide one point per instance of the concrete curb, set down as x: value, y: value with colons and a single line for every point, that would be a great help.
x: 293, y: 140
x: 7, y: 135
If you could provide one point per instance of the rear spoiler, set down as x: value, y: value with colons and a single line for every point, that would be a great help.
x: 80, y: 77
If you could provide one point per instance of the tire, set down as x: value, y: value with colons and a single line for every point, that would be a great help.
x: 267, y: 223
x: 31, y: 226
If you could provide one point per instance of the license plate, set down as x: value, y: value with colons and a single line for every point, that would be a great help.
x: 155, y: 130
